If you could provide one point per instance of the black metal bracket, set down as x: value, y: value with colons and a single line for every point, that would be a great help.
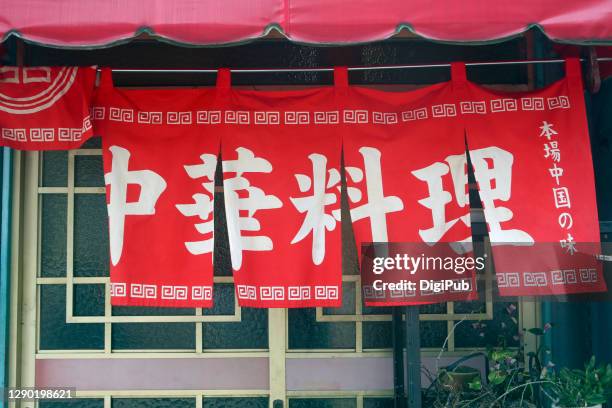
x: 592, y: 75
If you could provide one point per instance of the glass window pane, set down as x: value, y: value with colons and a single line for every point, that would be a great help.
x: 153, y: 335
x: 153, y: 403
x: 433, y: 333
x: 350, y: 260
x: 88, y: 171
x: 55, y: 168
x: 322, y: 403
x: 377, y: 335
x: 348, y: 301
x: 152, y: 311
x: 92, y: 143
x: 306, y: 333
x: 55, y: 333
x: 222, y: 263
x: 378, y: 403
x: 476, y: 306
x: 224, y: 302
x: 53, y: 235
x: 239, y: 402
x: 91, y: 250
x: 436, y: 308
x: 162, y: 336
x: 73, y: 403
x: 88, y: 300
x: 375, y: 310
x: 250, y: 333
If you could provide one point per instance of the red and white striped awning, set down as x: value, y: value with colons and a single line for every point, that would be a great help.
x: 94, y: 23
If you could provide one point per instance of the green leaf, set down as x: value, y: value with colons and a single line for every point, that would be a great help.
x: 496, y: 377
x: 475, y: 384
x: 596, y: 399
x: 537, y: 331
x: 500, y: 355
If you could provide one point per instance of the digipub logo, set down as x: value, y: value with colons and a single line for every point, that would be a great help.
x: 27, y: 90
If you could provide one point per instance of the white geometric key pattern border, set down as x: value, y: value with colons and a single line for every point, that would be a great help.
x: 169, y: 292
x: 252, y: 292
x: 47, y: 134
x: 348, y: 116
x: 541, y: 279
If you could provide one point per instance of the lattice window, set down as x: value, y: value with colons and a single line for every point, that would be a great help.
x: 75, y: 312
x: 75, y: 319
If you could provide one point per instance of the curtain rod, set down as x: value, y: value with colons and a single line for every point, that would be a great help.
x: 376, y: 67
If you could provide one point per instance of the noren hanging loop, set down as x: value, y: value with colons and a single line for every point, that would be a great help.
x: 341, y: 77
x: 224, y: 78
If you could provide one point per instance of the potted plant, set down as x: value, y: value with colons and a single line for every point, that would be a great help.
x: 508, y: 381
x: 572, y: 388
x: 458, y: 378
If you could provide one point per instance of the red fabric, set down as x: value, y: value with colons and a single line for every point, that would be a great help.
x: 158, y: 164
x: 45, y: 108
x: 406, y: 172
x: 72, y: 22
x: 281, y: 168
x: 270, y: 216
x: 532, y: 161
x: 406, y: 177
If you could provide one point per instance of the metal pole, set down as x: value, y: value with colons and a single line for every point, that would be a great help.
x: 5, y: 250
x: 329, y: 69
x: 398, y: 359
x: 413, y: 356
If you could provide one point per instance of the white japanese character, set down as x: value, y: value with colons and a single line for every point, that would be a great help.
x: 495, y: 183
x: 556, y: 172
x: 546, y: 130
x: 562, y: 199
x: 316, y: 220
x: 552, y: 150
x: 255, y: 200
x: 565, y: 220
x: 152, y: 185
x: 378, y: 205
x: 203, y: 205
x: 438, y: 198
x: 569, y: 244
